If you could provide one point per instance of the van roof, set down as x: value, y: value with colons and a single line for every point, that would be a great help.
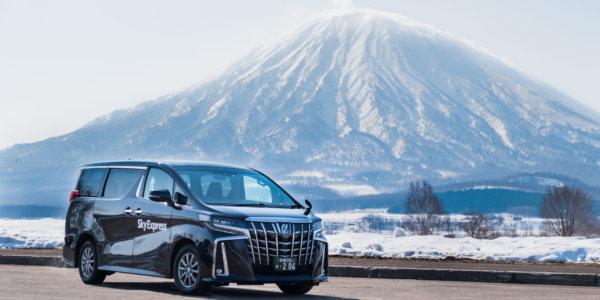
x: 172, y: 163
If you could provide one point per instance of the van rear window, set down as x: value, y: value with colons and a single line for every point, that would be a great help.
x: 91, y: 182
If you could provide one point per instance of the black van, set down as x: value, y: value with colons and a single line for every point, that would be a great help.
x: 202, y: 224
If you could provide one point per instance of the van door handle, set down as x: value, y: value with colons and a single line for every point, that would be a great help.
x: 138, y: 211
x: 128, y: 211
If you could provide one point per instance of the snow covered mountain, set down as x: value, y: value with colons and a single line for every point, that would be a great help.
x: 355, y: 103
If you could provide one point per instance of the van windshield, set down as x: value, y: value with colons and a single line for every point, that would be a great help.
x: 234, y: 187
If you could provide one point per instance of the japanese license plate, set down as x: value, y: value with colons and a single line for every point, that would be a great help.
x: 285, y: 264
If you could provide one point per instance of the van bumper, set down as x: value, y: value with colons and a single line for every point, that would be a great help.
x: 69, y: 246
x: 233, y: 264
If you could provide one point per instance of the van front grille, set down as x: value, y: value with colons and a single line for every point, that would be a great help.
x: 269, y: 240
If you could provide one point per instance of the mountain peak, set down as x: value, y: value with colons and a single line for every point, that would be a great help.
x: 352, y: 103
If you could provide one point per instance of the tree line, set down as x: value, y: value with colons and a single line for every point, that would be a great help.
x: 567, y: 211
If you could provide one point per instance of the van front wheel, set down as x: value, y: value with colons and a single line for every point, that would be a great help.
x: 187, y: 273
x: 295, y: 288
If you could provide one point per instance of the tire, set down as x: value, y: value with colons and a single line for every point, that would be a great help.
x: 295, y: 288
x: 187, y: 272
x: 88, y: 265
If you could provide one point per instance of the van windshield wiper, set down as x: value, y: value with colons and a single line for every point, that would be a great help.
x: 252, y: 204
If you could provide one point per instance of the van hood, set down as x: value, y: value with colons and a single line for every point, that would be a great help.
x: 265, y: 214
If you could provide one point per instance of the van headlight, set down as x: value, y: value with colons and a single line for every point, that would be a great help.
x: 318, y: 225
x: 229, y: 226
x: 319, y: 229
x: 319, y: 235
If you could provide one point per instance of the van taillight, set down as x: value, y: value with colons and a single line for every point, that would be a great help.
x: 74, y: 194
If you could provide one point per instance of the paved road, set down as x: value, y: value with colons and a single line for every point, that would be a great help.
x: 18, y: 282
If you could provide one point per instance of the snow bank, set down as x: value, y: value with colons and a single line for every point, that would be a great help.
x: 521, y: 249
x: 31, y: 233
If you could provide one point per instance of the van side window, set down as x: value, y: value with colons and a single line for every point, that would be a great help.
x: 121, y: 181
x: 91, y: 182
x: 158, y: 180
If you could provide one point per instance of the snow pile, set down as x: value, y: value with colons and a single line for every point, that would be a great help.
x: 31, y: 233
x: 521, y: 249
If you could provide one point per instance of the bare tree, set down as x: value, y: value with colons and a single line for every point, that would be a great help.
x: 568, y: 211
x: 509, y: 230
x: 424, y: 208
x: 480, y: 226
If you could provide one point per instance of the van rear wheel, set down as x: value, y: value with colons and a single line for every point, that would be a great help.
x: 187, y: 271
x: 295, y: 288
x: 88, y: 265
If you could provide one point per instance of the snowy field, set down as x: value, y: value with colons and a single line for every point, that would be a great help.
x: 362, y: 221
x: 346, y: 237
x: 36, y: 233
x: 521, y: 249
x: 352, y: 234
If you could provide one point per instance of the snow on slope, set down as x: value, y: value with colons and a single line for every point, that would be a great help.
x: 31, y: 233
x: 368, y: 100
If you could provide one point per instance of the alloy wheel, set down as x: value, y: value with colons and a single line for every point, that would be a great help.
x: 188, y: 270
x: 87, y: 262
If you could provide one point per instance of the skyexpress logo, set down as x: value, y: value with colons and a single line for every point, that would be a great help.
x: 149, y: 225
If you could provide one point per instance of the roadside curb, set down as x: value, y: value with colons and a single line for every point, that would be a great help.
x: 572, y: 279
x: 28, y: 260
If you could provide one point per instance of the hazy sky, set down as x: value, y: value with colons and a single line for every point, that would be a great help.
x: 63, y: 63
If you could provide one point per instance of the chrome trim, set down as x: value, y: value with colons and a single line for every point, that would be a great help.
x: 276, y: 239
x: 283, y: 245
x: 114, y: 167
x: 293, y: 241
x: 307, y: 245
x: 129, y: 270
x: 321, y: 240
x: 315, y: 232
x: 266, y: 240
x: 323, y: 260
x: 257, y: 244
x: 216, y: 246
x: 225, y: 264
x: 278, y: 220
x: 301, y: 242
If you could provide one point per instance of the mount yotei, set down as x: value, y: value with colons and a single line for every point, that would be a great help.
x: 350, y: 104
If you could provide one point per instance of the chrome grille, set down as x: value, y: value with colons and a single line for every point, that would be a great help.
x: 269, y: 240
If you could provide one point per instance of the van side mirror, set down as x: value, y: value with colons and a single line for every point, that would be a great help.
x: 160, y: 196
x: 308, y: 207
x: 180, y: 198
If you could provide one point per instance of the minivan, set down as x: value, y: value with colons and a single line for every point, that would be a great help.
x: 202, y: 224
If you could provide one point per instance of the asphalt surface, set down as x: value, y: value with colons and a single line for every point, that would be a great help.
x: 18, y: 282
x: 402, y: 263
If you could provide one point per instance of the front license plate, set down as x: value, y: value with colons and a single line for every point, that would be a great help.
x: 285, y: 264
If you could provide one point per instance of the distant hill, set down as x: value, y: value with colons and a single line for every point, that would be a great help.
x: 532, y: 182
x: 32, y: 211
x: 487, y: 201
x: 519, y: 193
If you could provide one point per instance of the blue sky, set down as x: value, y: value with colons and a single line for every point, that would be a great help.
x: 63, y: 63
